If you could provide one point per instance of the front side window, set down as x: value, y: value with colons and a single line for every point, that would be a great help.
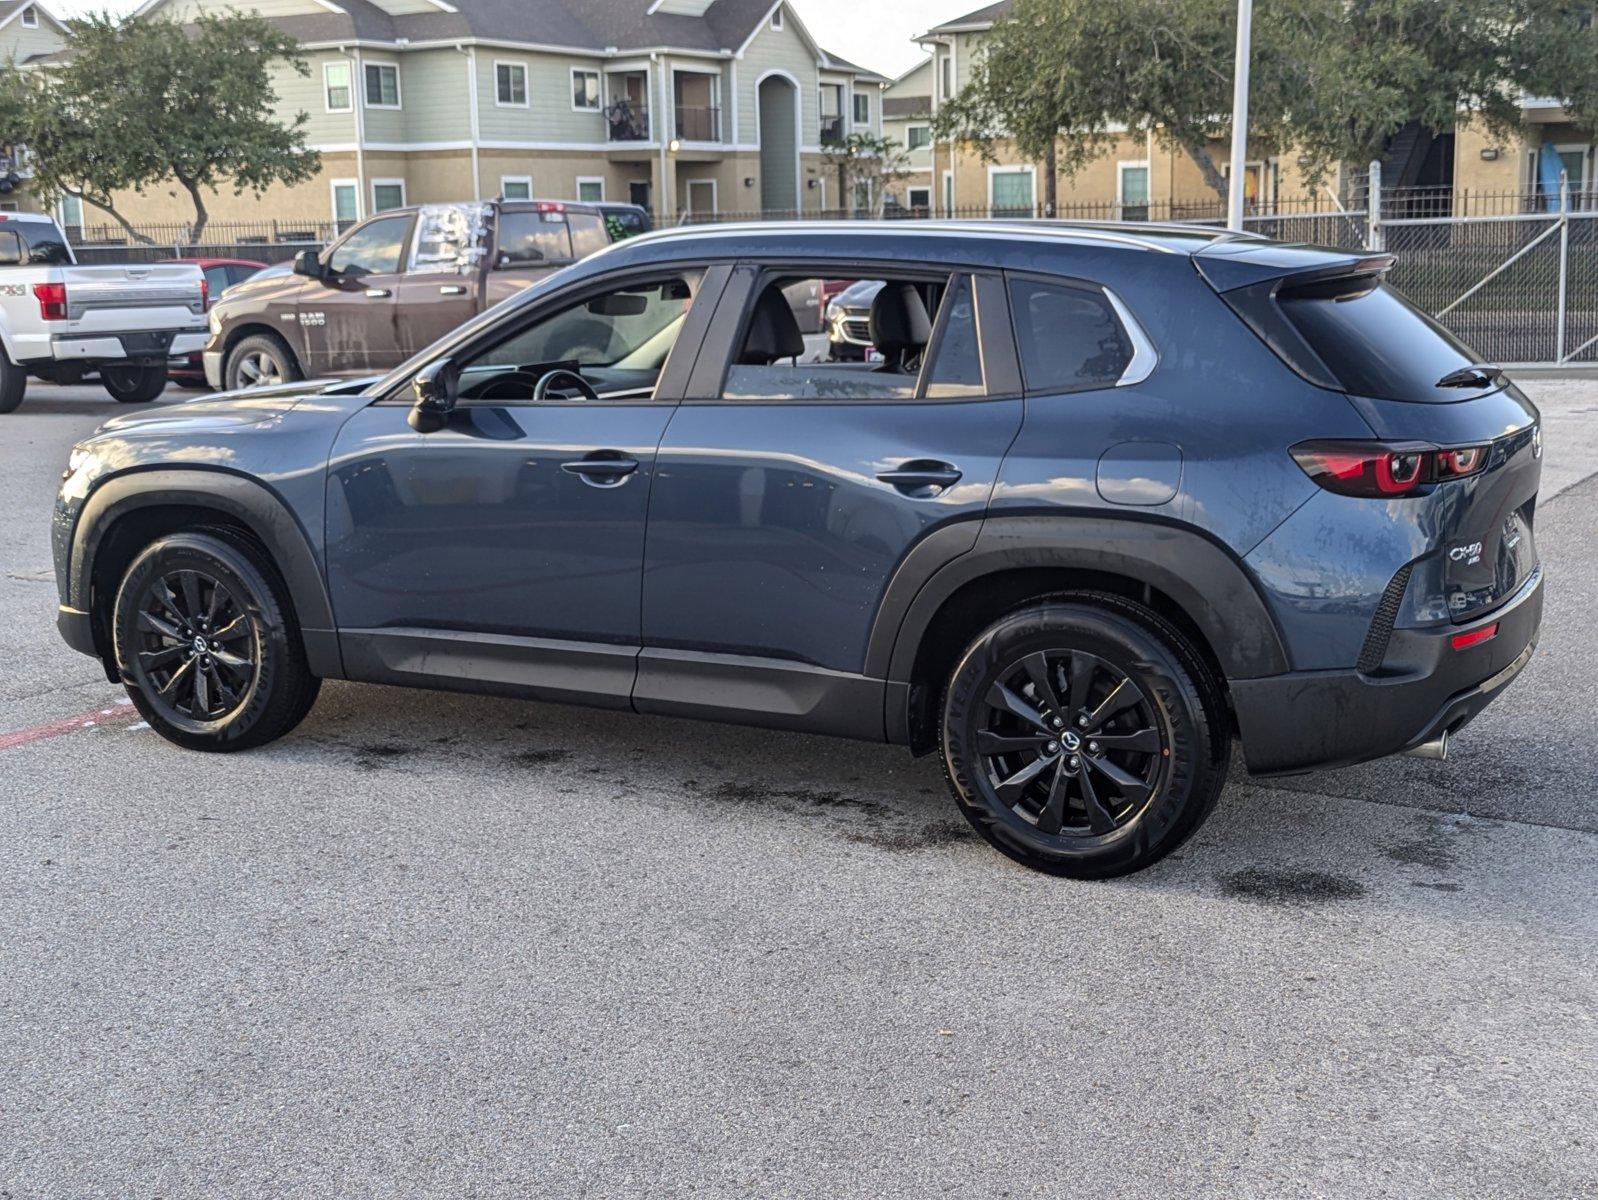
x: 510, y: 82
x: 617, y: 341
x: 585, y: 91
x: 373, y: 249
x: 528, y: 238
x: 336, y: 76
x: 1069, y: 337
x: 880, y: 342
x: 382, y: 85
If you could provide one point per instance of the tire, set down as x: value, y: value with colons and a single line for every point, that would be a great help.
x: 132, y: 384
x: 13, y: 384
x: 161, y: 663
x: 260, y: 360
x: 1011, y: 762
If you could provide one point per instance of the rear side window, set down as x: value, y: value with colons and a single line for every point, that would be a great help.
x: 1375, y: 342
x: 588, y: 234
x: 533, y: 237
x: 1069, y: 337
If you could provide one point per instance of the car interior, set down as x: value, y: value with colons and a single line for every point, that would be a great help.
x: 612, y: 346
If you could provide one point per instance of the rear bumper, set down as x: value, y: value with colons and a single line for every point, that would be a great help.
x: 126, y: 347
x: 1309, y: 719
x: 212, y: 362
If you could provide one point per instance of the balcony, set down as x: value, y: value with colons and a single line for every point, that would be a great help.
x: 832, y: 130
x: 699, y: 124
x: 627, y: 122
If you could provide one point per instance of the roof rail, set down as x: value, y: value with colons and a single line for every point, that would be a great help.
x: 1066, y: 231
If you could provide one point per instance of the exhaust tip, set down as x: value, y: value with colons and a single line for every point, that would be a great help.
x: 1436, y: 749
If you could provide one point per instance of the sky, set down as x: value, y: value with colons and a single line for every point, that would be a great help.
x: 873, y: 33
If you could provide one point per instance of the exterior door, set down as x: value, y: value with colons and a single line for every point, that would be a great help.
x: 348, y: 318
x: 786, y: 493
x: 506, y: 548
x: 431, y: 304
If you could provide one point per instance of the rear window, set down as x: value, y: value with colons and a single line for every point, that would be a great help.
x: 588, y: 233
x: 1069, y: 337
x: 38, y: 243
x: 1375, y: 342
x: 533, y: 237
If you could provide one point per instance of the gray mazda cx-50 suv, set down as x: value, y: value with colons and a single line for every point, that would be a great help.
x: 1101, y: 501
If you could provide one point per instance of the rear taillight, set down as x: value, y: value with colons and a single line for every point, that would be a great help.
x: 1381, y: 471
x: 205, y: 294
x: 52, y: 299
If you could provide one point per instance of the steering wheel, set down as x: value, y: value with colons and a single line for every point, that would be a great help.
x: 569, y: 378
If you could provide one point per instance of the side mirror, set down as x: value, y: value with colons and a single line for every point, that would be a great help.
x: 308, y: 262
x: 435, y: 388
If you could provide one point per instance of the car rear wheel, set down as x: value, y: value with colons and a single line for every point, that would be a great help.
x: 1084, y: 736
x: 134, y: 384
x: 206, y: 645
x: 13, y: 384
x: 260, y: 360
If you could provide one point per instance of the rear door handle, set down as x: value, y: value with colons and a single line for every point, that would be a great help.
x: 378, y: 293
x: 603, y: 468
x: 451, y: 289
x: 922, y: 475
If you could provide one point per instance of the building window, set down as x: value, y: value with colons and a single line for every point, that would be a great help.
x: 30, y: 18
x: 590, y: 189
x: 919, y: 198
x: 346, y: 203
x: 862, y: 195
x: 516, y: 187
x: 387, y: 194
x: 510, y: 84
x: 1011, y: 191
x: 862, y: 109
x: 776, y: 20
x: 917, y: 136
x: 945, y: 76
x: 71, y: 213
x: 585, y: 90
x: 382, y: 85
x: 336, y: 81
x: 1132, y: 196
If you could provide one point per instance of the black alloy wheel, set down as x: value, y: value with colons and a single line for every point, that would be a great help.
x: 197, y: 657
x: 1070, y: 743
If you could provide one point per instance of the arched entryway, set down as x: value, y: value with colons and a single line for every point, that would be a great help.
x: 777, y: 102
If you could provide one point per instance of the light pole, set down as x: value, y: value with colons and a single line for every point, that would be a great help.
x: 1234, y: 190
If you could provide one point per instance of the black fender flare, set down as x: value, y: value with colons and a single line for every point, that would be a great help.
x: 1210, y: 585
x: 249, y: 502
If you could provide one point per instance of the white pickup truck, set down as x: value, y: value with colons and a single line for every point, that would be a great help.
x: 60, y: 321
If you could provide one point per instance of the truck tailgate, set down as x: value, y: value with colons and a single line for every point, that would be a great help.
x: 135, y: 296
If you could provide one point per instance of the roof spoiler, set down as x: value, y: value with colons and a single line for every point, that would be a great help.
x: 1227, y: 266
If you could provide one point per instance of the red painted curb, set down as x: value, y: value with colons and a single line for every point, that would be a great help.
x: 113, y: 714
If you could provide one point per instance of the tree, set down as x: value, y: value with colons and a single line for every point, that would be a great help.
x: 139, y: 103
x: 866, y: 158
x: 1333, y: 79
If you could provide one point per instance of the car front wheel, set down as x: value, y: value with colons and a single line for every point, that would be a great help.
x: 1084, y: 736
x: 206, y: 645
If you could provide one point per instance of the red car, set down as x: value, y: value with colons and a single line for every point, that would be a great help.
x: 220, y: 274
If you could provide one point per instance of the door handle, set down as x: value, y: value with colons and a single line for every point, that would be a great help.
x: 451, y: 289
x: 378, y: 293
x: 603, y: 468
x: 922, y: 476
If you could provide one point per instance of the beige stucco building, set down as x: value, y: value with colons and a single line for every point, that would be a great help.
x: 684, y: 106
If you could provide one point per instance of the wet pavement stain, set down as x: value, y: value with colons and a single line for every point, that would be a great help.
x: 375, y: 756
x: 1290, y: 888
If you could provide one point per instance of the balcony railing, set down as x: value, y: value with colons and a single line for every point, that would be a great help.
x: 628, y: 122
x: 699, y: 124
x: 832, y: 131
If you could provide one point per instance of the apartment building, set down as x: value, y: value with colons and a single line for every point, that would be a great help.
x: 683, y: 106
x: 907, y: 120
x: 28, y: 32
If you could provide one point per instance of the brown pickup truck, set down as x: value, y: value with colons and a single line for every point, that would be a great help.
x: 390, y: 286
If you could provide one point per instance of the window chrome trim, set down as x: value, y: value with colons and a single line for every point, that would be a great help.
x: 1144, y: 356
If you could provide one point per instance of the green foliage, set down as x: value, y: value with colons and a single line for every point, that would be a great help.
x: 1331, y: 78
x: 137, y: 104
x: 865, y: 158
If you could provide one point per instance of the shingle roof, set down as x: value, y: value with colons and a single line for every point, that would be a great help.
x: 981, y: 17
x: 580, y: 24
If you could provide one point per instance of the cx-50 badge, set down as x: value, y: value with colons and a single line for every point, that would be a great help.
x: 1469, y: 555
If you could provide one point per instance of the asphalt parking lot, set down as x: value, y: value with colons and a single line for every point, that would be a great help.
x: 433, y: 945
